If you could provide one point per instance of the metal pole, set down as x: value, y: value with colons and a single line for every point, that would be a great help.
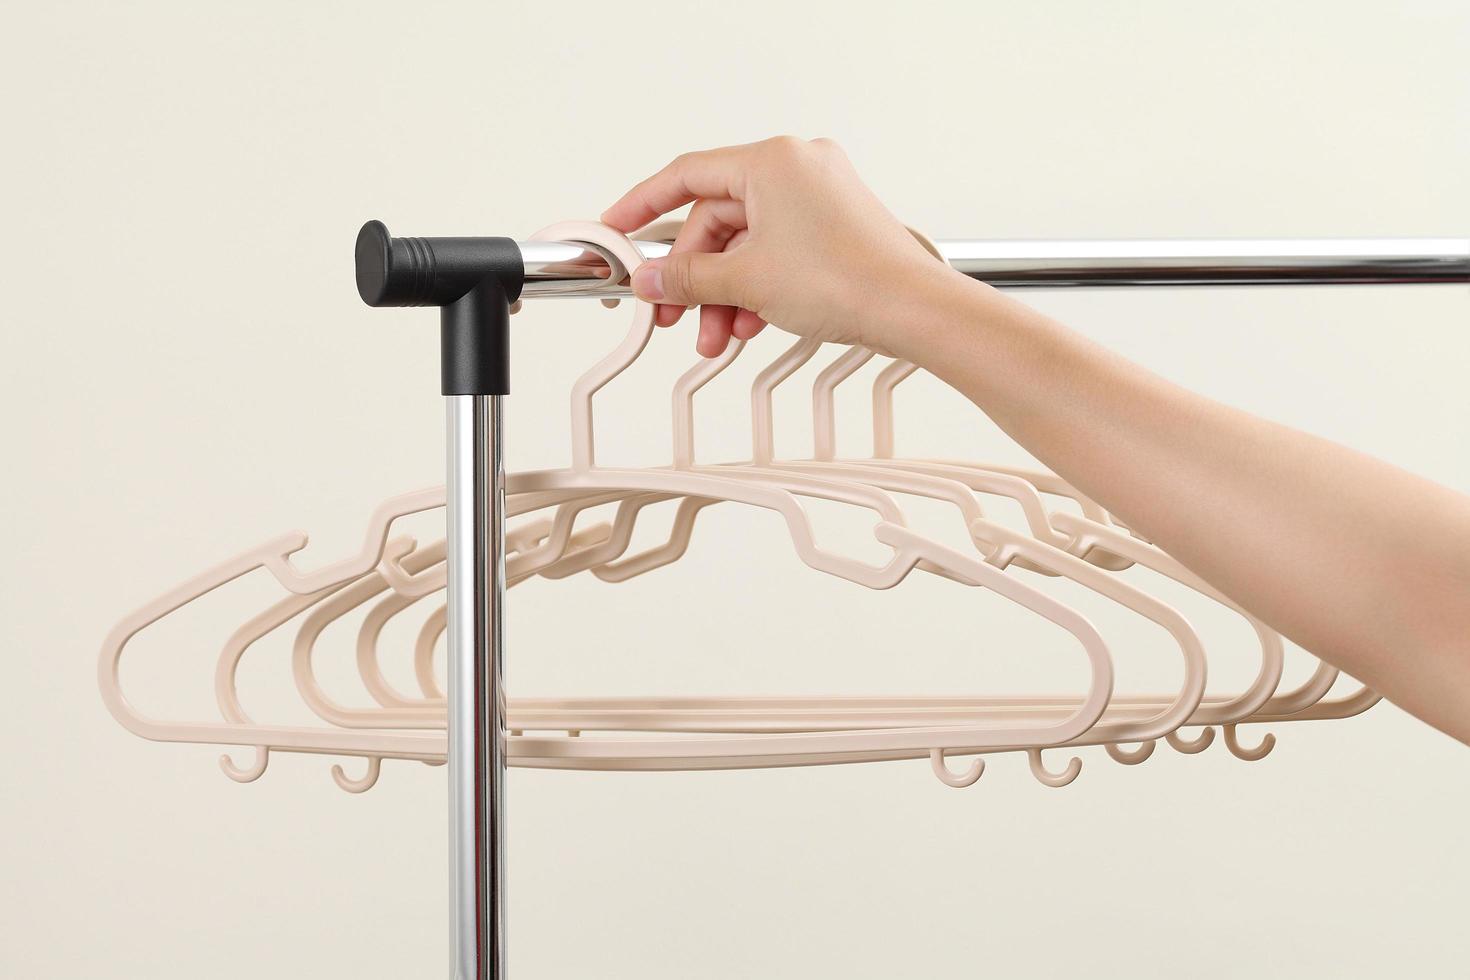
x: 473, y: 281
x: 476, y: 592
x: 573, y: 269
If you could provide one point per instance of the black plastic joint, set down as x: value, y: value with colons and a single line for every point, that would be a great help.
x: 472, y: 280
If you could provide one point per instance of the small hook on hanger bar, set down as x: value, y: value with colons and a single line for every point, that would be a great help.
x: 949, y: 778
x: 1046, y: 776
x: 1184, y: 745
x: 1249, y: 755
x: 361, y: 785
x: 1132, y: 757
x: 254, y: 772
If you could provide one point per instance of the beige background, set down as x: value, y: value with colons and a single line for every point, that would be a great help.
x: 188, y: 371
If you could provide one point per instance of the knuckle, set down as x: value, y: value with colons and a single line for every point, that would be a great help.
x: 786, y: 147
x: 788, y: 153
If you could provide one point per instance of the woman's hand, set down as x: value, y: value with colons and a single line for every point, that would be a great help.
x: 785, y: 232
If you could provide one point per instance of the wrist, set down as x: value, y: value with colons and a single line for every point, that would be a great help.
x: 939, y: 315
x: 992, y: 348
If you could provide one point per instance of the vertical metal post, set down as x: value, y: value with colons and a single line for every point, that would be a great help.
x: 476, y: 594
x: 473, y: 281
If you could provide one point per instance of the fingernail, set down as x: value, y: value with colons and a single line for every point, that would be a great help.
x: 648, y: 282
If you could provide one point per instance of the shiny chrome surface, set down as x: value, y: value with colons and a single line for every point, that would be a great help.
x: 1211, y: 263
x: 574, y: 269
x: 476, y: 591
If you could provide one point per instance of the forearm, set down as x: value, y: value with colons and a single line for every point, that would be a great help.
x: 1360, y: 563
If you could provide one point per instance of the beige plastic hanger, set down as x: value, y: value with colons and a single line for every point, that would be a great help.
x: 644, y: 753
x: 594, y: 381
x: 763, y: 469
x: 770, y: 714
x: 778, y: 371
x: 1191, y: 688
x: 897, y: 536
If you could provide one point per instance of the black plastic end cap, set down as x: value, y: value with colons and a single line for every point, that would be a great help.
x: 374, y: 256
x: 397, y: 271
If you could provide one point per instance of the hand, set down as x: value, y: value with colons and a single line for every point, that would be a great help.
x: 782, y: 231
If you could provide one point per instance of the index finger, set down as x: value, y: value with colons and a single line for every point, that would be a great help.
x: 705, y: 173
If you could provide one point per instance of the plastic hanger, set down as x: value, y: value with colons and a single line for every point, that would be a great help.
x: 1008, y: 546
x: 715, y: 753
x: 1193, y: 686
x: 778, y: 371
x: 579, y: 442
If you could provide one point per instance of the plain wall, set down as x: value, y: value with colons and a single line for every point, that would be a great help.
x: 188, y: 371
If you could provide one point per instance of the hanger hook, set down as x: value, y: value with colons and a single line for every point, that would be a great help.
x: 614, y: 245
x: 959, y: 780
x: 1184, y: 745
x: 1049, y: 778
x: 363, y: 784
x: 1132, y: 757
x: 1249, y: 755
x: 251, y: 774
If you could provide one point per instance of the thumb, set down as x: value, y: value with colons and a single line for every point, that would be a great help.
x: 690, y: 279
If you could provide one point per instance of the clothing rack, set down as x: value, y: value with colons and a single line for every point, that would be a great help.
x: 475, y: 281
